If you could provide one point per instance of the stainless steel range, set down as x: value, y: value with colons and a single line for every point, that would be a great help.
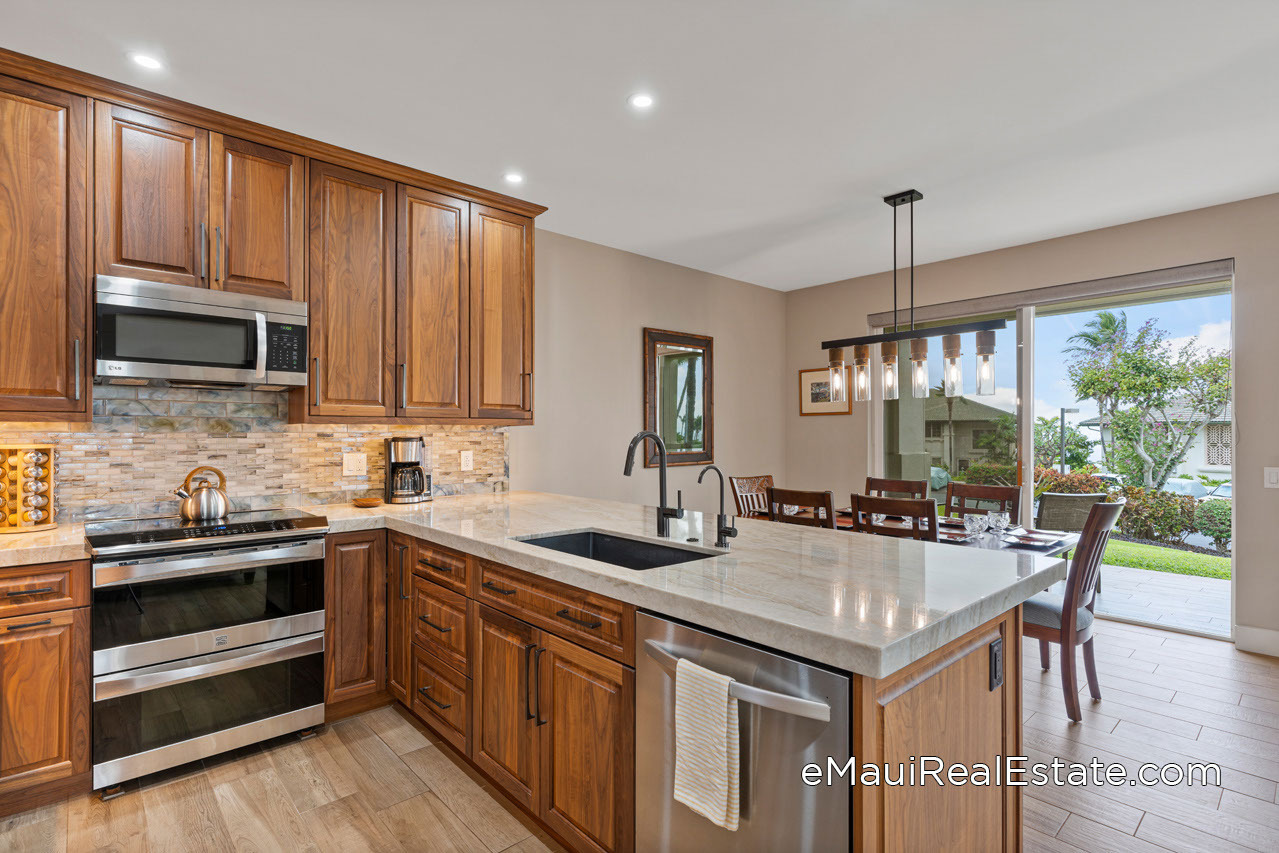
x: 207, y: 636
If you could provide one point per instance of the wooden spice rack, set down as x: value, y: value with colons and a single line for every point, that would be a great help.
x: 26, y: 471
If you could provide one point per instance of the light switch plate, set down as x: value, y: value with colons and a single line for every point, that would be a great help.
x: 468, y: 460
x: 355, y: 464
x: 1272, y: 478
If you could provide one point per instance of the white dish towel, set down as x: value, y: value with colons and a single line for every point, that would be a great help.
x: 706, y: 744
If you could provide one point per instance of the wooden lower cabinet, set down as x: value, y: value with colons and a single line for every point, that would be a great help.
x: 442, y: 695
x: 355, y: 615
x: 504, y: 723
x: 942, y: 705
x: 399, y: 613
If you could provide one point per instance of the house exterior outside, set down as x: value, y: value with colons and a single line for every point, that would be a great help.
x: 952, y: 428
x: 1211, y: 453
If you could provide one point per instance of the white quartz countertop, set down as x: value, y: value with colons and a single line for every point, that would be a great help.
x: 866, y: 604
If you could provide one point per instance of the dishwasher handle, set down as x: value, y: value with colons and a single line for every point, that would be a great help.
x: 746, y: 693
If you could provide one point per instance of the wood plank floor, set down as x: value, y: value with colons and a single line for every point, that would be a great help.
x: 376, y: 782
x: 1162, y: 598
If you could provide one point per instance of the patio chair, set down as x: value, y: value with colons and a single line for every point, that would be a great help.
x: 1068, y: 619
x: 1059, y: 511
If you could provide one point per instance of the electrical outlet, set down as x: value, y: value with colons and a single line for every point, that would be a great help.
x: 468, y: 460
x: 355, y: 464
x: 1272, y: 478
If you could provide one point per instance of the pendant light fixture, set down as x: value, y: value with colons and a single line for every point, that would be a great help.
x: 953, y: 375
x: 838, y: 388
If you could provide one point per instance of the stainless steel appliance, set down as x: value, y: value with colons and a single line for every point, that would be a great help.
x: 790, y: 713
x: 147, y: 330
x: 201, y: 500
x: 406, y: 479
x: 207, y: 636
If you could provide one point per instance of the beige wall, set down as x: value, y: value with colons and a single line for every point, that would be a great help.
x: 592, y: 303
x: 831, y: 452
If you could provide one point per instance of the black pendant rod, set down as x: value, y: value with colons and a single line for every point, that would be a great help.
x: 894, y: 269
x: 912, y: 261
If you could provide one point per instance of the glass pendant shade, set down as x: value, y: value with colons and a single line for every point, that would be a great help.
x: 952, y: 366
x: 861, y: 373
x: 888, y: 356
x: 985, y: 363
x: 838, y: 388
x: 919, y: 368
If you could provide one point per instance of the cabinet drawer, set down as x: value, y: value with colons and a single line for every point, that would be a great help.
x: 441, y: 565
x: 439, y: 622
x: 39, y: 589
x: 441, y: 696
x: 596, y: 622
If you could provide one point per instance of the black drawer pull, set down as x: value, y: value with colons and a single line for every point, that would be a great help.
x: 495, y: 588
x: 28, y: 625
x: 41, y: 591
x: 436, y: 702
x: 439, y: 628
x: 585, y: 623
x: 446, y: 569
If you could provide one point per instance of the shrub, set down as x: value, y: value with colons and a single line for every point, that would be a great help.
x: 1159, y: 516
x: 1213, y: 520
x: 1078, y: 482
x: 989, y: 474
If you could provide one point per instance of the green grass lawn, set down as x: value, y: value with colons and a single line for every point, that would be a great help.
x: 1171, y: 560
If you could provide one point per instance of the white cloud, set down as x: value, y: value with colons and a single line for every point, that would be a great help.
x: 1211, y: 336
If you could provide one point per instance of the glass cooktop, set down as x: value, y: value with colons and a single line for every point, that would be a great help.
x: 148, y: 534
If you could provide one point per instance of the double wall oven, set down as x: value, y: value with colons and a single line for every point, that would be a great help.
x: 207, y: 636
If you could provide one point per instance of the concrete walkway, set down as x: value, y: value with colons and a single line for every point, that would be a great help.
x: 1167, y: 600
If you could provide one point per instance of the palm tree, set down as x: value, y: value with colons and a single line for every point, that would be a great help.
x: 1102, y: 336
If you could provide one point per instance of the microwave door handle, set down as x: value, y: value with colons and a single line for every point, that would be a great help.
x: 260, y: 372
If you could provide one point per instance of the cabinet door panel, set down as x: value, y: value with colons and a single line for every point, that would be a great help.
x: 152, y: 186
x: 433, y: 306
x: 257, y: 219
x: 501, y: 314
x: 43, y: 260
x: 503, y: 721
x: 44, y: 713
x: 355, y: 626
x: 351, y: 294
x: 399, y: 613
x: 587, y: 746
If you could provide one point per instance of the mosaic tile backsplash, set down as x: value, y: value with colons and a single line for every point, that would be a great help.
x: 144, y: 439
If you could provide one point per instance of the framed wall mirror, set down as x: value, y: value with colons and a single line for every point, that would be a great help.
x: 679, y: 401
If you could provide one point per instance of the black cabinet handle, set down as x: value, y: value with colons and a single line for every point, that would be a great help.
x: 28, y: 625
x: 430, y: 565
x: 436, y: 702
x: 404, y: 549
x: 495, y: 588
x: 537, y: 690
x: 439, y: 628
x: 528, y: 682
x: 585, y: 623
x: 39, y: 591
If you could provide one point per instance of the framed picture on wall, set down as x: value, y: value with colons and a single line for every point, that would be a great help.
x: 814, y: 393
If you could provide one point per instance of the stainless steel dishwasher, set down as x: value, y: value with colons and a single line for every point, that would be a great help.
x: 790, y: 713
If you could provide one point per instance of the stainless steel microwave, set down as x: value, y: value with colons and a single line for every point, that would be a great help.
x: 146, y: 330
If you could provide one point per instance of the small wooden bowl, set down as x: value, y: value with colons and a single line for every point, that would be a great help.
x: 367, y: 503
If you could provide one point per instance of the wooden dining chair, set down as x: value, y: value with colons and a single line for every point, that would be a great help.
x: 962, y: 498
x: 820, y: 504
x: 922, y: 515
x: 749, y: 493
x: 880, y: 487
x: 1068, y: 619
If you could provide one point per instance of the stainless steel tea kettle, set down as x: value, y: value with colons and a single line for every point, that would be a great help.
x: 203, y: 501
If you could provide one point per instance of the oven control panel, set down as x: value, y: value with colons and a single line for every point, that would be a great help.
x: 286, y: 347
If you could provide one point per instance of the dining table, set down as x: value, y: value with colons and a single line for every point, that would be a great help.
x: 1050, y: 543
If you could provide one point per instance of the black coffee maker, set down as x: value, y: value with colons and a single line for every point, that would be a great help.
x: 406, y: 479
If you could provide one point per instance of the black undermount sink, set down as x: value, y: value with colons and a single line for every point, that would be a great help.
x: 618, y: 550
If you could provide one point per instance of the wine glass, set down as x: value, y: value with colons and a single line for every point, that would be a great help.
x: 974, y: 523
x: 998, y: 521
x: 877, y: 518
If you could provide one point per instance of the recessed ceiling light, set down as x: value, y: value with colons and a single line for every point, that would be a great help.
x: 147, y: 61
x: 514, y: 178
x: 640, y: 101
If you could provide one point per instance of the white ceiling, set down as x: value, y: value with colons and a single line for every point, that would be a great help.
x: 778, y: 125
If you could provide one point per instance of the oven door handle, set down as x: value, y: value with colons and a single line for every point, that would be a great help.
x: 260, y: 368
x: 119, y: 572
x: 205, y: 666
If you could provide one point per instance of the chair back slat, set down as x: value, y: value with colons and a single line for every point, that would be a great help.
x: 921, y: 513
x: 822, y: 505
x: 883, y: 488
x: 1085, y: 567
x: 962, y: 498
x: 749, y: 494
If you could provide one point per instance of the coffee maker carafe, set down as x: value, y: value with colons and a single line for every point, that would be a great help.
x: 406, y: 479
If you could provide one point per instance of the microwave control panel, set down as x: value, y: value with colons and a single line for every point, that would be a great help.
x: 286, y: 347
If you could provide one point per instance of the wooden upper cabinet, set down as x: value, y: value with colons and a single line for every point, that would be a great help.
x: 355, y: 615
x: 151, y: 196
x: 433, y: 302
x: 44, y: 138
x: 352, y: 294
x: 257, y: 219
x: 503, y: 708
x: 501, y: 314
